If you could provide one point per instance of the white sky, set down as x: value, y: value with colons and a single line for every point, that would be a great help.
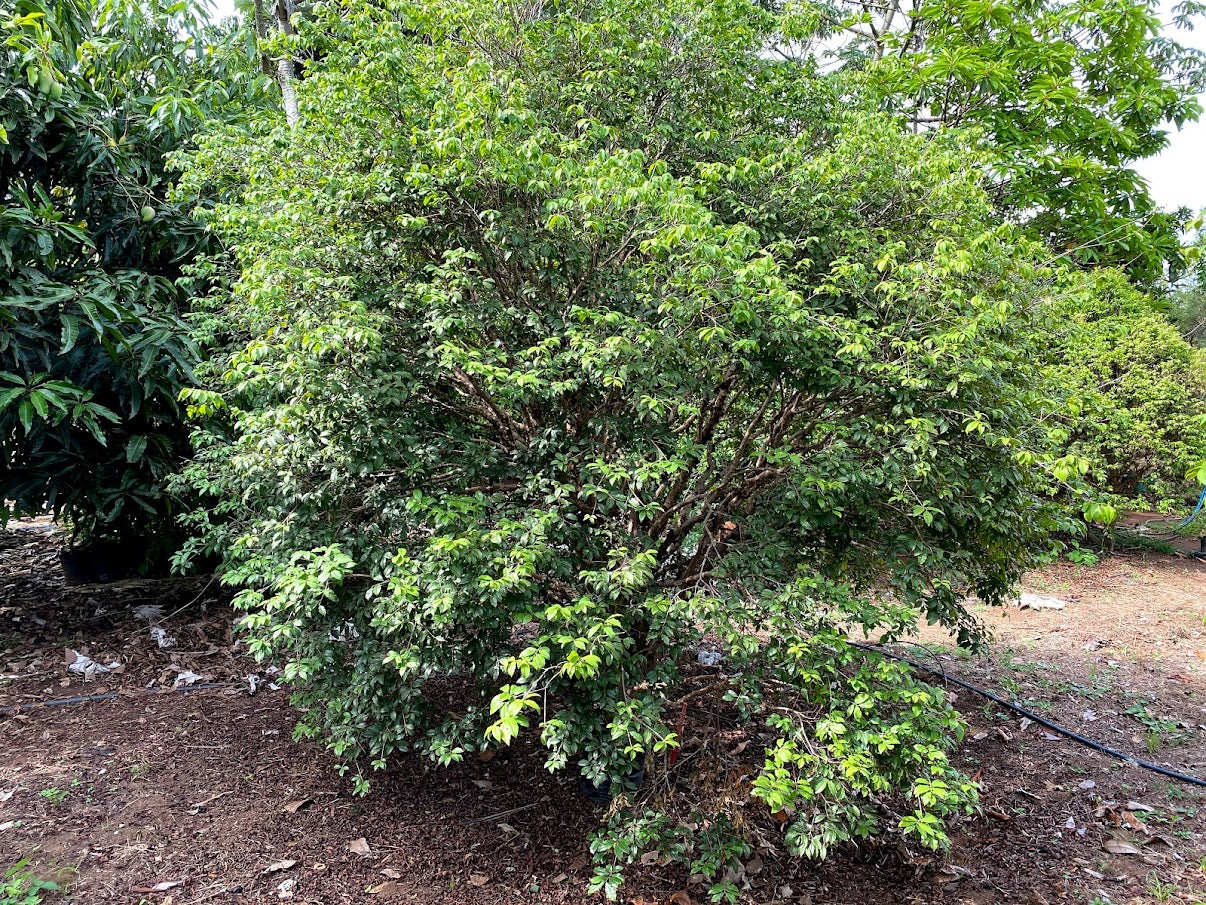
x: 1177, y: 176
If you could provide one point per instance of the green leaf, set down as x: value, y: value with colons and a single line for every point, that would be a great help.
x: 135, y: 448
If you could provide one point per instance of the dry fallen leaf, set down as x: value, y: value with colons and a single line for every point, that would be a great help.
x: 388, y: 888
x: 1138, y: 806
x: 649, y: 858
x: 1120, y: 847
x: 166, y: 885
x: 277, y: 866
x: 359, y: 847
x: 392, y: 872
x: 294, y: 806
x: 483, y: 784
x: 680, y: 898
x: 479, y: 879
x: 1135, y: 823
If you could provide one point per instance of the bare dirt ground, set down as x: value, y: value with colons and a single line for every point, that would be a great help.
x: 201, y: 795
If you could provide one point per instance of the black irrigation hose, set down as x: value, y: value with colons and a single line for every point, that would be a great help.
x: 1017, y: 708
x: 13, y: 709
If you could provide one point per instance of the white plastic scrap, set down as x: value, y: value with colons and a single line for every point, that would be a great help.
x: 345, y: 632
x: 1038, y: 602
x: 187, y: 677
x: 709, y: 657
x: 85, y: 666
x: 162, y: 638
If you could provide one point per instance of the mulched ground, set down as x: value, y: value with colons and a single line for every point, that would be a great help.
x: 201, y: 795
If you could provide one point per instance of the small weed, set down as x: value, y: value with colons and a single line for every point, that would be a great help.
x: 1158, y: 889
x: 1094, y: 692
x: 1153, y: 741
x: 54, y: 795
x: 1009, y: 662
x: 140, y: 770
x: 1162, y: 730
x: 1082, y: 557
x: 19, y: 886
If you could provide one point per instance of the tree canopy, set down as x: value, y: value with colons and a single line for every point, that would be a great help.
x: 1063, y: 98
x: 94, y: 94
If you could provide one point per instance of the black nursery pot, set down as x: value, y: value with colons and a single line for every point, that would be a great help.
x: 601, y: 793
x: 102, y: 562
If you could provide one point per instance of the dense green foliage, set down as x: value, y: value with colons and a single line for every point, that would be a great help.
x: 1063, y: 97
x: 1142, y: 387
x: 597, y: 332
x: 536, y: 347
x: 93, y: 351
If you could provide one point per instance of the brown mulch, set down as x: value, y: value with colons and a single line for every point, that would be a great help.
x: 205, y: 794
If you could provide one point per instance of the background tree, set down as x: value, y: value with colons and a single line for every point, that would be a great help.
x: 1188, y: 300
x: 94, y: 94
x: 1141, y: 389
x: 596, y: 332
x: 1063, y: 97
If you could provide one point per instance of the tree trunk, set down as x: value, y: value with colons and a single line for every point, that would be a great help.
x: 286, y: 70
x: 286, y: 74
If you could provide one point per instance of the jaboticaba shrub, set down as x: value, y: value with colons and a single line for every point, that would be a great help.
x: 599, y: 326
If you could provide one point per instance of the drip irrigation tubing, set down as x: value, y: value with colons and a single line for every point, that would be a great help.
x: 13, y: 709
x: 1017, y: 708
x: 1196, y: 509
x: 1165, y: 527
